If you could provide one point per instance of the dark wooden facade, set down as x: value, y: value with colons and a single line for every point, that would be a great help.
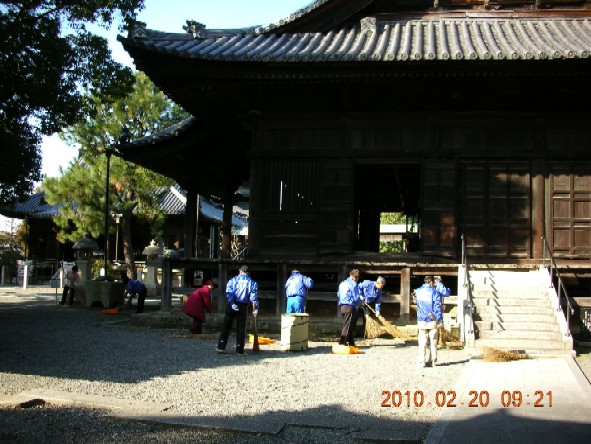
x: 473, y: 116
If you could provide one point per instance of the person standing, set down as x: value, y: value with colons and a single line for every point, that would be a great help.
x: 72, y: 281
x: 198, y: 303
x: 372, y: 293
x: 349, y: 300
x: 428, y: 316
x: 241, y: 291
x: 296, y: 290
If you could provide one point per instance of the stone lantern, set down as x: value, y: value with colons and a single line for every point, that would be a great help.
x: 152, y: 252
x: 84, y: 248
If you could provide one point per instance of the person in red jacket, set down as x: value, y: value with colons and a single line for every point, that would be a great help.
x: 198, y: 303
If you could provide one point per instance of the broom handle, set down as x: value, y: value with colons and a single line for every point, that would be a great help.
x: 369, y: 306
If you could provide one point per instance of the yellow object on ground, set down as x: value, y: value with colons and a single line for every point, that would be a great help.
x: 262, y: 340
x: 339, y: 349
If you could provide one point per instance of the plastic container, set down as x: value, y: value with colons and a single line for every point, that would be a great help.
x: 294, y: 331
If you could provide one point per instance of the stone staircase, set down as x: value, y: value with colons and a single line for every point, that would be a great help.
x: 513, y: 310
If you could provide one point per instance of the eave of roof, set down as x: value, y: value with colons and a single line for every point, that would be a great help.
x: 432, y: 39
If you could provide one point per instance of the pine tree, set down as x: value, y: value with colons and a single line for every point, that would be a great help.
x: 132, y: 189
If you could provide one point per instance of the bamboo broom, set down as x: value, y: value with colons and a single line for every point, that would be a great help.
x: 371, y: 327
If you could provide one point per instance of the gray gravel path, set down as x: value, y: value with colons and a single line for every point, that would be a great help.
x: 273, y: 396
x: 310, y: 396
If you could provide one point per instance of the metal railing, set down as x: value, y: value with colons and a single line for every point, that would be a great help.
x: 469, y: 305
x: 553, y: 270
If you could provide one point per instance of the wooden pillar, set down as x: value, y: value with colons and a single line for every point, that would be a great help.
x: 227, y: 227
x: 189, y: 235
x: 222, y: 282
x: 405, y: 274
x: 538, y: 208
x: 281, y: 297
x: 166, y: 298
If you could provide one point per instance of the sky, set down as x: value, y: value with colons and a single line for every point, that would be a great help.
x: 170, y: 16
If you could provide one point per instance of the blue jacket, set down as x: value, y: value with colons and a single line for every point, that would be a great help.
x: 428, y: 302
x: 349, y: 293
x: 443, y: 291
x: 297, y: 284
x: 242, y: 289
x: 135, y: 286
x: 371, y: 293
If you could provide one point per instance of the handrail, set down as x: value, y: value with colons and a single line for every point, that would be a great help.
x: 553, y: 268
x: 466, y: 282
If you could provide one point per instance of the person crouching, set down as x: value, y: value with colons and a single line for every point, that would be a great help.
x: 198, y: 303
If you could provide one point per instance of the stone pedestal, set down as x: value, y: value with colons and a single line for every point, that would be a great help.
x: 109, y: 294
x: 151, y: 278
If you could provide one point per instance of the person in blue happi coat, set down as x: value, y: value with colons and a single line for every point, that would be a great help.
x: 296, y: 290
x: 429, y: 315
x: 241, y: 292
x: 372, y: 293
x: 134, y: 287
x: 349, y: 301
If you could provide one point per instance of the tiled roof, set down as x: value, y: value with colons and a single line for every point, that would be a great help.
x: 168, y: 133
x: 172, y: 201
x: 435, y: 39
x: 290, y: 18
x: 35, y: 206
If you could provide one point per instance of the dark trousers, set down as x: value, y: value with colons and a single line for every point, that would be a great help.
x: 141, y: 298
x: 67, y: 291
x: 196, y: 326
x: 229, y: 317
x: 350, y: 315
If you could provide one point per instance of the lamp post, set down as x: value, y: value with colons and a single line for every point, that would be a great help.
x: 108, y: 152
x: 123, y: 139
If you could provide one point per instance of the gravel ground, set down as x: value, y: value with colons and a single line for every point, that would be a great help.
x: 323, y: 397
x: 313, y: 396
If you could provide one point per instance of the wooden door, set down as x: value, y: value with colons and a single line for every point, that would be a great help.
x: 336, y: 208
x: 438, y: 214
x: 570, y: 210
x: 496, y: 209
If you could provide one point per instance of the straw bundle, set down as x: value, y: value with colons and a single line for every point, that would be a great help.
x: 494, y: 355
x: 376, y: 326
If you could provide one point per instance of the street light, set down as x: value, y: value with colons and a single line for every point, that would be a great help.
x: 123, y: 139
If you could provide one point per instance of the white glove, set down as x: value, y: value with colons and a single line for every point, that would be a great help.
x: 255, y: 312
x: 234, y: 307
x: 377, y: 313
x: 362, y: 298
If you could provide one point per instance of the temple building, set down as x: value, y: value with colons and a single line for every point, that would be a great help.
x: 469, y: 117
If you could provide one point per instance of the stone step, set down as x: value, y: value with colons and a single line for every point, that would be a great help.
x: 508, y: 302
x: 520, y: 334
x: 512, y: 309
x: 516, y: 326
x: 508, y: 293
x: 531, y: 347
x: 515, y: 317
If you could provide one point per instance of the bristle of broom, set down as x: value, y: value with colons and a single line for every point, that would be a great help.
x: 495, y: 355
x: 373, y: 329
x: 377, y: 326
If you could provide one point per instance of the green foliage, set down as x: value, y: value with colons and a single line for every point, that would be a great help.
x: 47, y: 60
x: 392, y: 247
x: 132, y: 189
x: 392, y: 218
x: 10, y: 252
x: 97, y: 267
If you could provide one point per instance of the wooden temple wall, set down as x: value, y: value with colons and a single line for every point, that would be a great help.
x: 502, y: 180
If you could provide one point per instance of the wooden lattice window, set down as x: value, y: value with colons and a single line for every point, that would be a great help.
x: 290, y: 186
